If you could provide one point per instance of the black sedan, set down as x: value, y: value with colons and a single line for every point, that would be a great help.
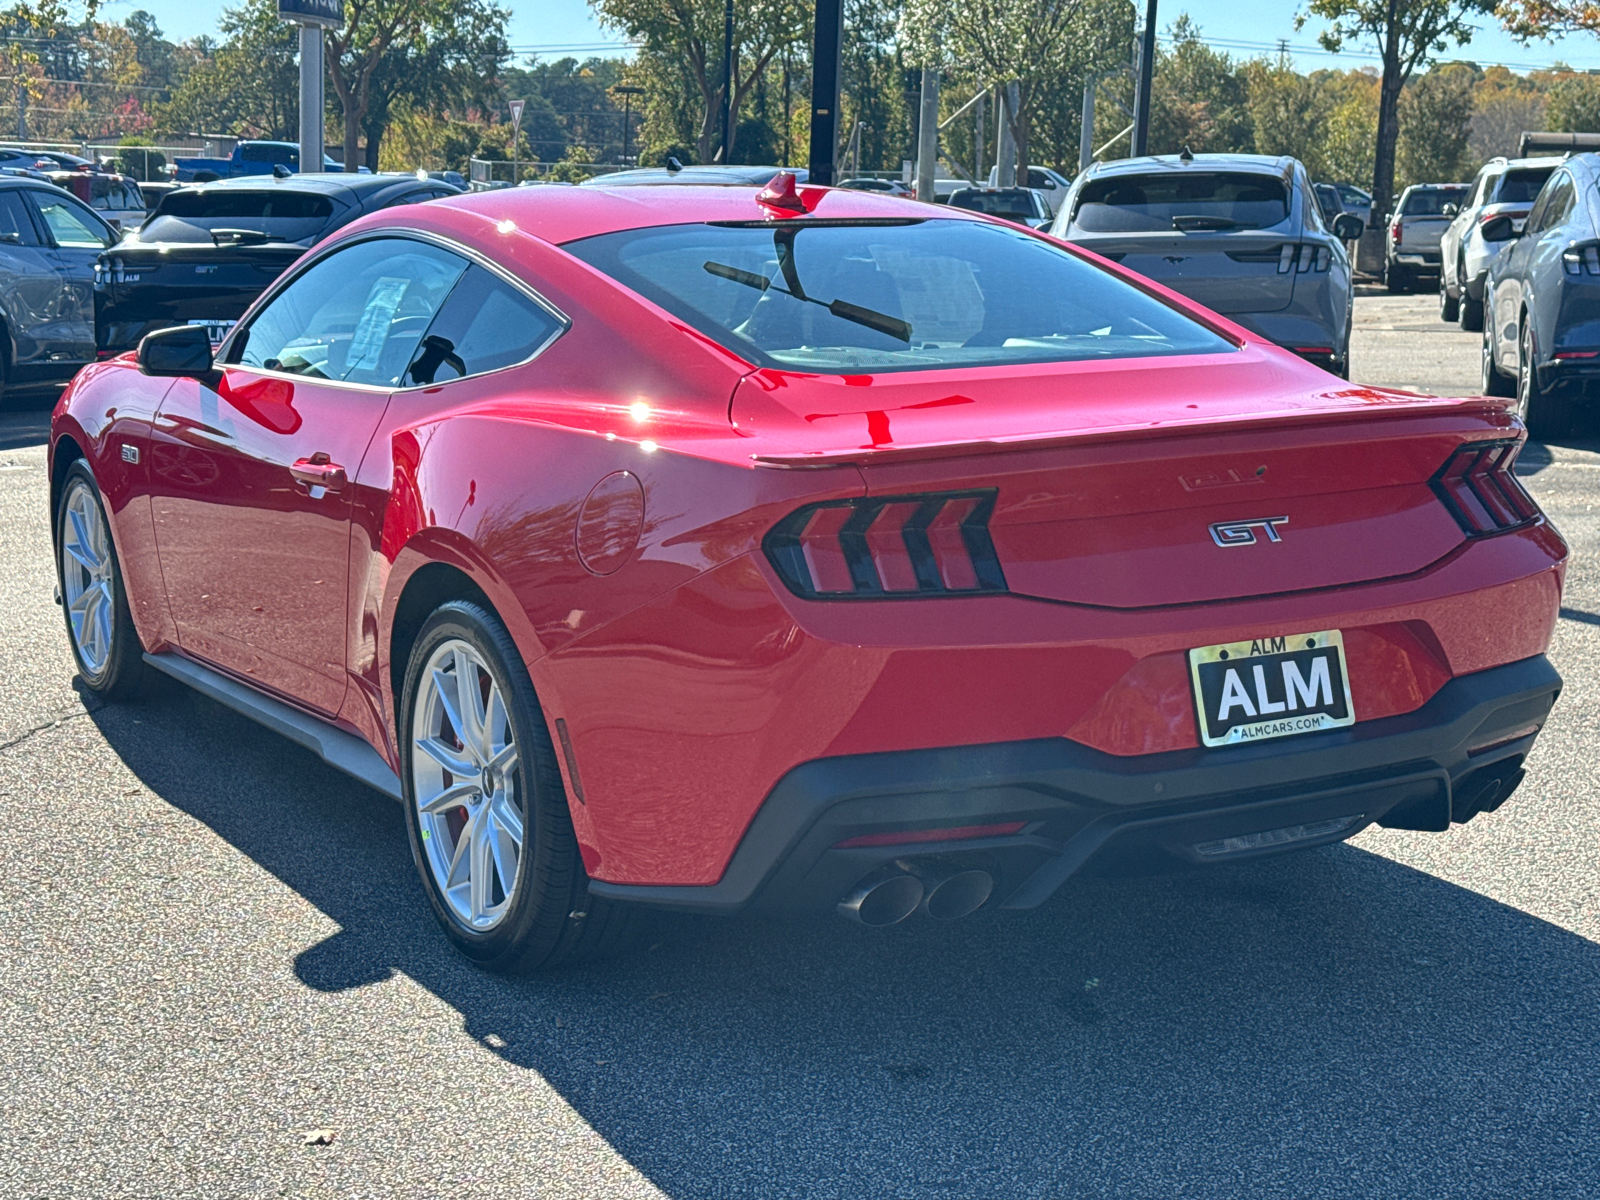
x: 208, y: 251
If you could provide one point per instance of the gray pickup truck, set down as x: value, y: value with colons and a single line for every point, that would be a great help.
x: 1420, y: 219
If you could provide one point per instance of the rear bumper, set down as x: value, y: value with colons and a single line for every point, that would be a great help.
x: 1428, y: 259
x: 1456, y: 755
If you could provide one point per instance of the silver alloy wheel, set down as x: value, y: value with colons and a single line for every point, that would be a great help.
x: 464, y: 781
x: 86, y: 577
x: 1525, y: 379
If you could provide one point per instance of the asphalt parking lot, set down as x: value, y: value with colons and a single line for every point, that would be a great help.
x: 212, y: 944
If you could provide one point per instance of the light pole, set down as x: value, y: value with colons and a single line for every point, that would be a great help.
x: 828, y: 36
x: 313, y: 16
x: 727, y: 82
x: 627, y: 92
x: 1147, y: 68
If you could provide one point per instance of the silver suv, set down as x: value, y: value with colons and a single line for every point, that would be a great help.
x: 1501, y: 187
x: 1240, y: 233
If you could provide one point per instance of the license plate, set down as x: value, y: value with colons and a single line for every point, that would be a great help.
x: 1271, y: 687
x: 216, y: 330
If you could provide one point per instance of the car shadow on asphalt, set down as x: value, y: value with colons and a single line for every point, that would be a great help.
x: 1324, y: 1023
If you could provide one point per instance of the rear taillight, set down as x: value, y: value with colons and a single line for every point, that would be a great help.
x: 1394, y: 233
x: 1580, y: 260
x: 888, y: 548
x: 1479, y: 488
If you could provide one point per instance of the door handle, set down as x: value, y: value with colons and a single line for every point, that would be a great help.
x: 318, y: 472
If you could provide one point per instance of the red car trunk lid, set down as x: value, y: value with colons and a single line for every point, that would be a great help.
x: 1150, y: 483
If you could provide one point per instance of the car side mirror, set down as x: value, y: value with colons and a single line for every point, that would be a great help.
x: 183, y: 350
x: 1450, y: 210
x: 1347, y: 227
x: 1498, y: 229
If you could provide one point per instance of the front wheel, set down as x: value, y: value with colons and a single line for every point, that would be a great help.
x: 1449, y: 306
x: 1491, y: 382
x: 100, y: 628
x: 486, y: 809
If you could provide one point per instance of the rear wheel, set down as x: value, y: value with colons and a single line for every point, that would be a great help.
x: 99, y: 626
x: 490, y: 830
x: 1470, y: 312
x: 1449, y: 306
x: 1548, y: 414
x: 1397, y: 278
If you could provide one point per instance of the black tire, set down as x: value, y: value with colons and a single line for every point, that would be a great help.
x: 1549, y: 414
x: 1491, y: 381
x: 551, y: 919
x: 1397, y: 278
x: 1470, y: 314
x: 1449, y: 306
x: 121, y: 673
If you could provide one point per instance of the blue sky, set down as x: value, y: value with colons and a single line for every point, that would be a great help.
x: 553, y: 28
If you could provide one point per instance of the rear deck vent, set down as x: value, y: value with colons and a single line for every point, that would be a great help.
x: 888, y: 548
x: 1481, y: 491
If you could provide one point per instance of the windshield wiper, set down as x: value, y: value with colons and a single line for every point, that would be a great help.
x: 1199, y: 222
x: 870, y: 317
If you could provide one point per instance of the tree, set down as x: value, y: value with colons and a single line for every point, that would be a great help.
x: 1198, y: 96
x: 1287, y: 110
x: 248, y: 85
x: 1035, y: 44
x: 1435, y: 125
x: 1503, y: 105
x: 379, y: 33
x: 1406, y: 32
x: 689, y: 35
x: 1574, y: 105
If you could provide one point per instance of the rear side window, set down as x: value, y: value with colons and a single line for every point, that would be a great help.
x: 1431, y: 202
x: 485, y: 325
x: 1521, y: 186
x: 200, y: 205
x: 1192, y: 200
x: 896, y: 296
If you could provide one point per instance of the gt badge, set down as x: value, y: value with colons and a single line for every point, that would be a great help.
x: 1243, y: 533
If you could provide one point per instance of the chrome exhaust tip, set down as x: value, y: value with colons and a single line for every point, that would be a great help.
x: 949, y: 895
x: 884, y: 898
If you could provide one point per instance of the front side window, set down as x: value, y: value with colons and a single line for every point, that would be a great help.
x: 71, y: 224
x: 1184, y: 200
x: 357, y: 315
x: 486, y: 324
x: 16, y: 229
x: 892, y: 296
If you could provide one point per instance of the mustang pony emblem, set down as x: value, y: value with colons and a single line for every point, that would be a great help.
x: 1243, y: 533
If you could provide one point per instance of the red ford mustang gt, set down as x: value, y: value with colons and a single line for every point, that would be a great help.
x: 809, y: 549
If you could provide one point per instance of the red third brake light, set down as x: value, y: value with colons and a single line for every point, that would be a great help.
x: 891, y: 548
x: 1477, y: 485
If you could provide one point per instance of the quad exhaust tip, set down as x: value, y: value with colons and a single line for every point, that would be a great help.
x: 889, y: 896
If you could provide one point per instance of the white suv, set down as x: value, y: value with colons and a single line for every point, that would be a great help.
x: 1502, y: 186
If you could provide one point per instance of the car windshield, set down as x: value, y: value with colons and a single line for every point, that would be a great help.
x: 189, y: 215
x: 1192, y: 201
x: 1522, y: 185
x: 891, y: 296
x: 1431, y: 202
x: 1014, y: 204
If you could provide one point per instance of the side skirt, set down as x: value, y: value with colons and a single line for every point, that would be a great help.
x: 340, y: 750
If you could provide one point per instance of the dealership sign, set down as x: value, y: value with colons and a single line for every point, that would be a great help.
x: 312, y: 12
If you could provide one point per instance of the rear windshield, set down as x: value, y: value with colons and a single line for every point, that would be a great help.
x: 1190, y: 200
x: 1015, y: 206
x: 902, y: 296
x: 231, y: 204
x: 1522, y: 185
x: 1430, y: 203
